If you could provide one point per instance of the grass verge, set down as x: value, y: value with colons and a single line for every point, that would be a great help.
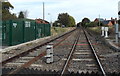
x: 59, y: 30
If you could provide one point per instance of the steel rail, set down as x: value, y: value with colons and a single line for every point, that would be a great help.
x: 27, y: 64
x: 95, y: 54
x: 69, y: 56
x: 31, y: 50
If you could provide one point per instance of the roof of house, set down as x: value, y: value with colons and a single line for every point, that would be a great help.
x: 41, y: 21
x: 106, y: 22
x: 100, y: 19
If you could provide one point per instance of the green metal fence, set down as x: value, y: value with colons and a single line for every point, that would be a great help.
x: 47, y: 30
x: 23, y: 30
x: 0, y: 33
x: 16, y: 32
x: 39, y: 30
x: 29, y: 31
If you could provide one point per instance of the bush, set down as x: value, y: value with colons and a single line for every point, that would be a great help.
x: 92, y: 24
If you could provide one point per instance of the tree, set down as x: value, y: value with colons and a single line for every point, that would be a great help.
x: 6, y: 14
x: 7, y: 5
x: 66, y: 19
x: 85, y: 21
x: 25, y: 13
x: 63, y: 18
x: 57, y: 24
x: 92, y: 24
x: 71, y: 21
x: 21, y: 15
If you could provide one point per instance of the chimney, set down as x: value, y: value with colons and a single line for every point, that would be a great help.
x: 111, y: 18
x: 115, y: 20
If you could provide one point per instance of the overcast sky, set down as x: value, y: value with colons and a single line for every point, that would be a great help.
x: 76, y: 8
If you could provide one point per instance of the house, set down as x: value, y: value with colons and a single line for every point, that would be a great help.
x: 98, y: 19
x: 110, y: 22
x: 107, y: 22
x: 113, y: 20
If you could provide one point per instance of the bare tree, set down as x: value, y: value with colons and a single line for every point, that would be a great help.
x: 25, y: 13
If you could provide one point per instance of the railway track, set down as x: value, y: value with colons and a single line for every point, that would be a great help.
x: 82, y: 57
x: 73, y: 51
x: 27, y: 58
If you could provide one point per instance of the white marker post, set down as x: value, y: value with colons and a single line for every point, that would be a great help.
x: 103, y: 31
x: 49, y: 56
x: 116, y: 33
x: 106, y: 32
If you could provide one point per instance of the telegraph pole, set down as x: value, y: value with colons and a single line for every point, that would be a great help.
x: 117, y: 25
x: 43, y: 11
x: 99, y: 19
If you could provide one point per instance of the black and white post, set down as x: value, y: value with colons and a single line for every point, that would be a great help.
x: 49, y: 51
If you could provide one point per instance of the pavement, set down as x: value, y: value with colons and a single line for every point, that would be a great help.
x: 108, y: 41
x: 112, y: 44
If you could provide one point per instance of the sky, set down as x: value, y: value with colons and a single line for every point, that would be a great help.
x: 79, y: 9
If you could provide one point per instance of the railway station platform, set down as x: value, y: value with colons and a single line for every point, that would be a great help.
x: 109, y: 41
x: 113, y: 44
x: 22, y: 46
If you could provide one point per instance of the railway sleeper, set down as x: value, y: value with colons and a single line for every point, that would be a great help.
x: 32, y: 71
